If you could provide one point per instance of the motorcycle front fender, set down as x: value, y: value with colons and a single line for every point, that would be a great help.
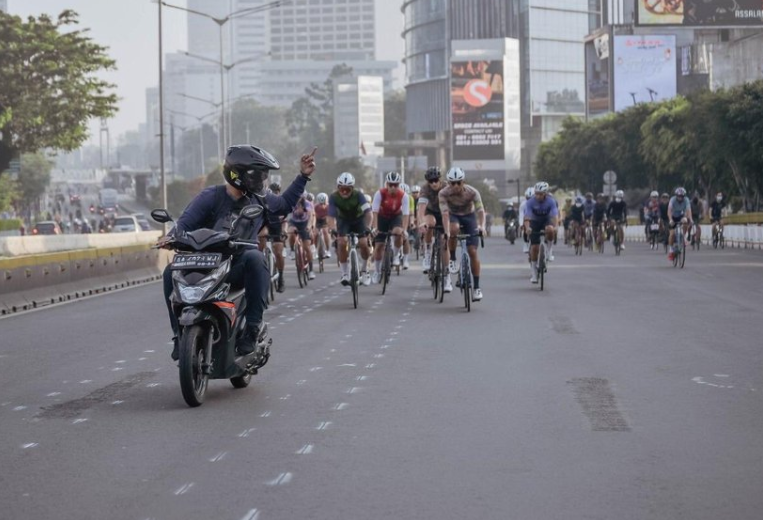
x: 193, y: 315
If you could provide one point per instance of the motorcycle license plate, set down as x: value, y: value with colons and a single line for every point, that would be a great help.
x: 655, y: 227
x: 197, y: 261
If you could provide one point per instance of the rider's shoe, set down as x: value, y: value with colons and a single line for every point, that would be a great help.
x: 175, y: 349
x: 452, y: 267
x: 448, y: 285
x: 477, y: 295
x: 365, y: 279
x: 525, y: 247
x: 426, y: 263
x: 291, y: 254
x: 345, y: 280
x: 406, y: 264
x: 395, y: 261
x: 280, y: 285
x: 327, y: 254
x: 671, y: 256
x: 376, y: 277
x: 534, y: 276
x: 253, y: 335
x: 311, y: 275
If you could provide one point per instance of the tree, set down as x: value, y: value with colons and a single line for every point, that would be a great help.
x: 8, y: 192
x: 34, y: 178
x: 49, y: 89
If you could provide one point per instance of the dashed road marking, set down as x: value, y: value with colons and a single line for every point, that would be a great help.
x: 117, y: 402
x: 348, y: 365
x: 19, y: 408
x: 185, y: 488
x: 29, y: 445
x: 301, y: 382
x: 79, y: 421
x: 307, y: 449
x: 53, y: 394
x: 253, y: 514
x: 220, y: 456
x: 265, y: 414
x: 353, y: 390
x: 280, y: 480
x: 340, y: 406
x: 324, y: 425
x: 246, y: 433
x: 85, y: 381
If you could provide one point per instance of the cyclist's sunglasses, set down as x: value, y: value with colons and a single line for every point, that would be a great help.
x: 393, y: 185
x: 433, y: 181
x: 345, y: 189
x: 456, y: 183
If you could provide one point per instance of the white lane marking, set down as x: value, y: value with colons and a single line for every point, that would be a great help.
x: 315, y: 369
x: 121, y: 361
x: 153, y: 385
x: 53, y: 394
x: 29, y: 445
x: 220, y: 456
x: 301, y: 382
x: 398, y: 327
x: 116, y: 402
x: 385, y: 347
x: 182, y: 490
x: 142, y: 359
x: 265, y: 414
x: 283, y: 478
x: 347, y: 365
x: 341, y: 406
x: 85, y: 381
x: 152, y: 351
x: 361, y: 378
x: 370, y: 365
x: 348, y: 335
x: 246, y: 433
x: 700, y: 381
x: 286, y: 397
x: 19, y: 408
x: 254, y: 514
x: 721, y: 375
x: 353, y: 390
x: 117, y: 369
x: 307, y: 449
x: 324, y: 425
x: 78, y: 421
x: 394, y: 333
x: 378, y: 356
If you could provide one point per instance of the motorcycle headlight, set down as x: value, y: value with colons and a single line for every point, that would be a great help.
x: 193, y: 293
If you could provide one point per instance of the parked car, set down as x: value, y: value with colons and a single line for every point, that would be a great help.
x: 143, y: 222
x: 46, y: 227
x: 125, y: 224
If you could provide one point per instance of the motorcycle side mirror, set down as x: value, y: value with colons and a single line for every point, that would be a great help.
x: 161, y: 216
x: 251, y: 212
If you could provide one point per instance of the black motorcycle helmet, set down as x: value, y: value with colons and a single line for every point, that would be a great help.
x: 247, y: 167
x: 433, y: 173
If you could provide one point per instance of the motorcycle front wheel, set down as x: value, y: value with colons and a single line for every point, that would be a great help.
x: 193, y: 381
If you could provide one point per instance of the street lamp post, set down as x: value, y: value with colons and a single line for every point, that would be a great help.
x: 518, y: 183
x: 201, y: 134
x: 220, y: 23
x: 161, y: 115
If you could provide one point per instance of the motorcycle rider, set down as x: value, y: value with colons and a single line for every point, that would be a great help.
x: 246, y: 171
x: 509, y: 214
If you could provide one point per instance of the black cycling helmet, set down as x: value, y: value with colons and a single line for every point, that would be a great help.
x: 433, y: 173
x: 275, y: 187
x: 246, y: 167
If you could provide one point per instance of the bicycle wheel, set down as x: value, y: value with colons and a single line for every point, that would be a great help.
x: 354, y: 277
x: 272, y: 270
x: 386, y: 267
x: 722, y: 241
x: 683, y: 254
x: 299, y: 262
x: 542, y: 266
x: 443, y: 274
x: 435, y: 270
x: 466, y: 285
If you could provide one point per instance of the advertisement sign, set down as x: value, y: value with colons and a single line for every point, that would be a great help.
x: 644, y: 69
x: 477, y: 107
x: 700, y: 13
x: 597, y: 53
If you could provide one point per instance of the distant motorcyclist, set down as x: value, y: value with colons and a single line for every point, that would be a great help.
x: 246, y: 171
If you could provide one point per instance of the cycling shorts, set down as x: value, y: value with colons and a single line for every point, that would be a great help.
x: 437, y: 216
x: 387, y: 225
x: 468, y: 226
x: 320, y: 223
x: 301, y: 228
x: 275, y: 231
x: 537, y: 229
x: 345, y: 227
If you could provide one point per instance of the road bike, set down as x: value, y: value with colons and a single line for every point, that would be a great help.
x: 599, y: 237
x: 270, y: 263
x: 718, y: 238
x: 465, y: 276
x: 354, y: 261
x: 617, y: 241
x: 321, y: 250
x: 654, y: 233
x: 679, y: 247
x: 589, y: 235
x: 436, y: 270
x: 387, y: 262
x: 695, y: 236
x: 301, y: 261
x: 577, y: 237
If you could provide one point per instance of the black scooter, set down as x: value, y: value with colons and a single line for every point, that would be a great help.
x: 210, y: 314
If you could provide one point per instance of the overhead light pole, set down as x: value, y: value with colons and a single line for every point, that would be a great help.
x: 163, y: 178
x: 201, y: 134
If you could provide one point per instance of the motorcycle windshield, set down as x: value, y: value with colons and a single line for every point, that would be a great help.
x: 202, y: 240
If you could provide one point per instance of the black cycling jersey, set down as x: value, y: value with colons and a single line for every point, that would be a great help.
x: 577, y: 213
x: 617, y: 210
x: 716, y: 209
x: 599, y: 211
x: 664, y: 211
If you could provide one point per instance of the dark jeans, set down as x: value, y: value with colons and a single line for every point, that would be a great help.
x: 248, y: 270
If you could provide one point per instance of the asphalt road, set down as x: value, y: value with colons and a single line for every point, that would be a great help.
x: 628, y: 389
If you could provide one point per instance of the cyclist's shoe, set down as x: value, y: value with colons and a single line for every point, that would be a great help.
x: 366, y: 279
x: 671, y: 256
x: 376, y: 277
x: 345, y: 280
x: 534, y: 276
x: 175, y: 349
x: 327, y: 254
x: 448, y: 285
x: 291, y: 254
x: 253, y: 335
x: 395, y: 261
x: 311, y: 275
x: 452, y: 267
x: 477, y: 296
x: 313, y: 249
x: 551, y: 257
x: 280, y: 285
x: 622, y: 247
x: 426, y: 263
x: 406, y: 264
x: 525, y: 248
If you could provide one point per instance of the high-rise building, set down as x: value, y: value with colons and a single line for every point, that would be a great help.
x: 4, y: 6
x: 359, y: 117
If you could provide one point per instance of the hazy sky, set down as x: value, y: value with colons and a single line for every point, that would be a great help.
x: 130, y: 29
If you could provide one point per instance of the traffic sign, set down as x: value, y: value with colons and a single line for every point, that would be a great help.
x: 610, y: 177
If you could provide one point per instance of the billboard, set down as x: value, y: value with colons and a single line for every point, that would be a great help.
x: 700, y: 13
x: 644, y: 69
x: 597, y: 54
x: 477, y: 108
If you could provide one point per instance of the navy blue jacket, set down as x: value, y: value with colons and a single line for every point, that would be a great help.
x: 214, y: 209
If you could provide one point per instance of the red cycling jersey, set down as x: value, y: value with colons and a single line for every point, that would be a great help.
x: 391, y: 205
x: 321, y: 211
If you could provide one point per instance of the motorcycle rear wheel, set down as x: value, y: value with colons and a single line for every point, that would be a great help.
x: 193, y: 383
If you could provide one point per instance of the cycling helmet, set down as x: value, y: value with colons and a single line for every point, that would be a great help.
x: 309, y: 197
x: 680, y: 192
x: 246, y: 167
x: 541, y: 187
x: 665, y: 196
x: 345, y: 179
x: 275, y: 187
x: 393, y: 178
x: 455, y: 174
x: 579, y: 200
x: 322, y: 198
x: 589, y: 195
x: 529, y: 192
x: 654, y: 194
x: 620, y: 194
x: 433, y: 174
x: 406, y: 188
x: 415, y: 188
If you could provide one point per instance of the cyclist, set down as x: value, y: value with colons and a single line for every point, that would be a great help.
x: 509, y: 214
x: 541, y: 217
x: 617, y: 213
x: 716, y: 212
x: 274, y: 229
x: 411, y: 225
x: 651, y: 212
x: 599, y: 214
x: 588, y: 205
x: 350, y: 212
x: 566, y: 218
x: 577, y: 218
x: 697, y: 211
x: 391, y: 214
x: 245, y: 170
x: 300, y: 223
x: 321, y: 210
x: 428, y: 210
x: 461, y: 206
x: 679, y: 209
x: 529, y: 193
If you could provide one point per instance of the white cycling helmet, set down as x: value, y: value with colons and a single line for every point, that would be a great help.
x: 345, y: 179
x: 529, y: 192
x: 680, y: 192
x: 406, y: 188
x: 415, y: 188
x: 393, y: 178
x: 309, y: 197
x: 455, y: 174
x: 619, y: 194
x: 541, y: 187
x: 654, y: 194
x: 322, y: 198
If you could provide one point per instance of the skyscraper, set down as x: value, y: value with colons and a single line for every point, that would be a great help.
x: 4, y: 6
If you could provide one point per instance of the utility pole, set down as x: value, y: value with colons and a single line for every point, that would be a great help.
x: 161, y: 115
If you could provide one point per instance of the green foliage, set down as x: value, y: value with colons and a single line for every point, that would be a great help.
x: 489, y: 198
x: 34, y: 177
x: 11, y: 224
x: 49, y: 88
x: 9, y: 191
